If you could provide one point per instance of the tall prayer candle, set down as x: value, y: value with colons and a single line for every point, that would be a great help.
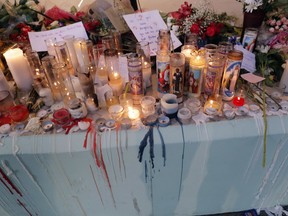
x: 195, y: 75
x: 19, y: 68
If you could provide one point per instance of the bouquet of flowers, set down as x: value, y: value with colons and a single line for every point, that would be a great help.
x: 202, y: 21
x: 251, y: 5
x: 277, y: 23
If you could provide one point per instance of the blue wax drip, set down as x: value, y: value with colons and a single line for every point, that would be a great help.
x: 163, y: 146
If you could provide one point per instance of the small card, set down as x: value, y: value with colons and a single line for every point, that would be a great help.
x: 249, y: 61
x: 252, y: 78
x: 37, y: 39
x: 145, y: 26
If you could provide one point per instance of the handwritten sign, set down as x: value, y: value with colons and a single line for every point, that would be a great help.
x: 145, y: 26
x: 37, y: 39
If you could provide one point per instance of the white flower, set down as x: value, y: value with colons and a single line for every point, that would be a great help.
x: 263, y: 48
x: 251, y: 5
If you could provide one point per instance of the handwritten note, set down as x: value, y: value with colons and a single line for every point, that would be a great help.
x: 145, y: 26
x: 249, y: 61
x: 37, y: 39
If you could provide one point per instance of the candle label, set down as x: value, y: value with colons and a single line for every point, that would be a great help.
x: 136, y: 82
x: 194, y: 80
x: 210, y: 79
x: 163, y: 70
x: 230, y: 77
x: 177, y: 80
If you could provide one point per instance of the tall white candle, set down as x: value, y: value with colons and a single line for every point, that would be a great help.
x: 147, y: 72
x: 19, y: 68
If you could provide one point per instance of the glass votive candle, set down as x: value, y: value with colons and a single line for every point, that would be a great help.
x: 19, y: 113
x: 111, y: 100
x: 61, y: 117
x: 148, y: 105
x: 239, y: 98
x: 213, y: 105
x: 126, y: 101
x: 133, y: 113
x: 116, y: 111
x: 193, y: 104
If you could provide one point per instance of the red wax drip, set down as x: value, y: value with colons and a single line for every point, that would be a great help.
x: 98, y: 162
x: 22, y: 204
x: 6, y: 186
x: 238, y: 101
x: 10, y: 182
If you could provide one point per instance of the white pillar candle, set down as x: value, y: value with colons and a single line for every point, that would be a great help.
x: 19, y: 68
x: 116, y: 83
x: 147, y: 72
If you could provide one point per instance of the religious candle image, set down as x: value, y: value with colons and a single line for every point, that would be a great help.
x: 177, y: 66
x: 195, y: 75
x: 19, y: 68
x: 163, y: 70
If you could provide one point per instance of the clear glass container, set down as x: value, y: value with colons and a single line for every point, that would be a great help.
x: 54, y: 83
x: 135, y: 77
x: 164, y: 40
x: 63, y: 55
x: 69, y: 39
x: 64, y: 82
x: 177, y: 68
x: 111, y: 61
x: 143, y: 48
x: 163, y: 70
x: 87, y: 52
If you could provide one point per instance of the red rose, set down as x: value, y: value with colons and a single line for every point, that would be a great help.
x: 80, y: 14
x: 91, y: 25
x: 219, y: 26
x: 195, y: 28
x: 211, y: 30
x: 176, y: 15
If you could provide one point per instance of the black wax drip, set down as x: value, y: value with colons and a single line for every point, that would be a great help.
x: 163, y: 146
x: 183, y: 151
x: 142, y: 146
x: 151, y: 142
x: 146, y: 171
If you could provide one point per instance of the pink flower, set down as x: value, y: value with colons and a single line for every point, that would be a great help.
x: 279, y: 23
x: 272, y: 22
x: 283, y: 19
x: 281, y: 29
x: 276, y: 27
x: 271, y: 30
x: 285, y: 27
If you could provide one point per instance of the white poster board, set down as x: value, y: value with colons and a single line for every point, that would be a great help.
x: 37, y: 39
x: 145, y: 26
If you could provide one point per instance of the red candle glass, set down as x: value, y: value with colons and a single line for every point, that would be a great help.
x: 239, y: 99
x: 61, y: 117
x: 19, y: 113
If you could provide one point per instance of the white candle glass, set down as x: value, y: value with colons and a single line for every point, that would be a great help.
x: 19, y: 68
x: 69, y: 39
x: 143, y: 49
x: 63, y: 55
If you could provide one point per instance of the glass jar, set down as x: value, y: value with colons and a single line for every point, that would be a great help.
x: 63, y: 55
x: 135, y: 77
x: 54, y: 83
x: 177, y: 67
x: 69, y: 39
x: 164, y: 40
x: 63, y: 80
x: 143, y: 49
x: 111, y: 61
x: 163, y: 70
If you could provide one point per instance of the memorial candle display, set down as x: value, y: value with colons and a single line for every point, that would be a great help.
x: 187, y: 50
x: 69, y: 39
x: 177, y: 66
x: 163, y: 70
x: 143, y: 48
x: 239, y: 98
x: 195, y: 75
x: 19, y: 68
x: 231, y: 73
x: 116, y: 83
x: 213, y: 75
x: 135, y: 77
